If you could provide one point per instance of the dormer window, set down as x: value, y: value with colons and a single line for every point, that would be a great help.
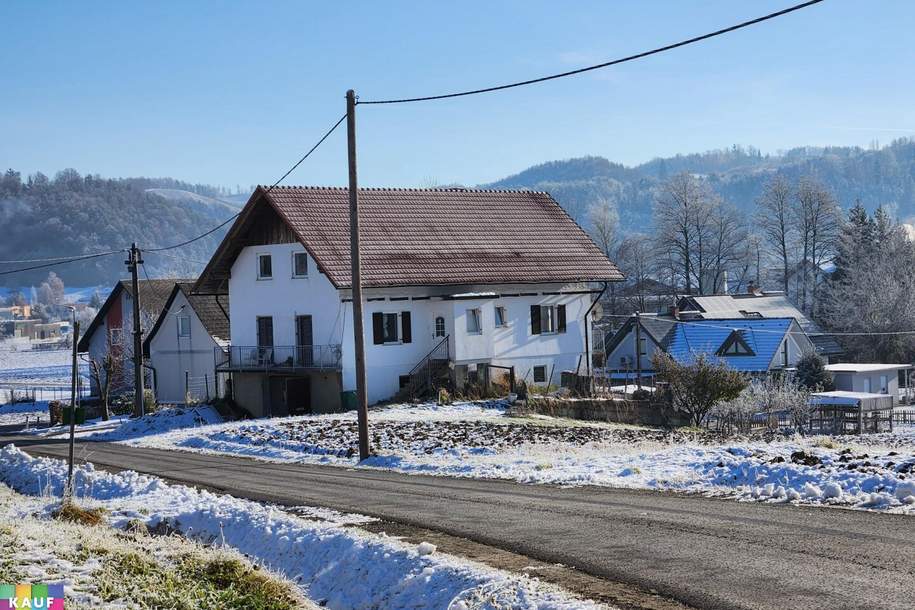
x: 735, y: 345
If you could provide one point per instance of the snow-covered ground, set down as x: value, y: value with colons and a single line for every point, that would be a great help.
x: 334, y: 564
x: 18, y: 413
x: 480, y: 440
x: 48, y: 371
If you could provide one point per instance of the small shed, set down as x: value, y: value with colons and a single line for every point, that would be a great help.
x: 867, y: 377
x: 843, y: 412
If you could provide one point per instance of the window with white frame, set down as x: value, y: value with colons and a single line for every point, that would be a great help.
x: 440, y: 326
x: 299, y: 264
x: 501, y: 316
x: 264, y: 267
x: 390, y: 328
x: 548, y: 319
x: 474, y: 322
x: 184, y: 326
x: 884, y: 384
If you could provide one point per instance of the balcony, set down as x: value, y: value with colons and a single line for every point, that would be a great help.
x: 300, y: 358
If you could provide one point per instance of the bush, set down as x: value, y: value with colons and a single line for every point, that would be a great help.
x: 641, y: 394
x: 698, y: 386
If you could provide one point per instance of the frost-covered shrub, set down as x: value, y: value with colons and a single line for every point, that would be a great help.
x: 771, y: 400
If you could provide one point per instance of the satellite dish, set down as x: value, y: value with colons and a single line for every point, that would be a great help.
x: 598, y: 312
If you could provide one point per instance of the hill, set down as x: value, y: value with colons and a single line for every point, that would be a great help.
x: 876, y: 177
x: 71, y: 215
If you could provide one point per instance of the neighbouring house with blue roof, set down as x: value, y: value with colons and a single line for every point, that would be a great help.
x: 757, y: 346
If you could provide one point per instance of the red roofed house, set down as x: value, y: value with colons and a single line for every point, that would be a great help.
x: 453, y: 279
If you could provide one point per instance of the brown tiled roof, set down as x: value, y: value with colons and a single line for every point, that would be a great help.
x: 433, y: 236
x: 212, y: 316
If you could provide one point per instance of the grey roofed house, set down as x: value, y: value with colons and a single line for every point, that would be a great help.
x: 760, y: 305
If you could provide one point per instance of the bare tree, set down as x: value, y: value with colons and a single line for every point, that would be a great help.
x: 818, y: 219
x: 775, y: 218
x: 604, y: 222
x: 727, y: 243
x: 681, y: 214
x: 104, y: 370
x: 635, y: 256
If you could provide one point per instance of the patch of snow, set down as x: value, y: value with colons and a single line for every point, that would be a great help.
x: 479, y: 440
x: 164, y: 420
x: 335, y: 566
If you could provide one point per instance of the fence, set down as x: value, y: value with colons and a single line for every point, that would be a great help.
x: 24, y: 392
x: 199, y: 388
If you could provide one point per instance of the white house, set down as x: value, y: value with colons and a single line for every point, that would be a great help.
x: 183, y: 344
x: 112, y: 327
x: 452, y: 278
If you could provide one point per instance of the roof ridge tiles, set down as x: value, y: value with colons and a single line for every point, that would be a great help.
x: 453, y: 189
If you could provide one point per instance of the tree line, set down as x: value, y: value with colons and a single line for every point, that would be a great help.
x: 849, y: 272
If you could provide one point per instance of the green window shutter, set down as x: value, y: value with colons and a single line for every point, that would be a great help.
x: 377, y: 328
x: 406, y: 334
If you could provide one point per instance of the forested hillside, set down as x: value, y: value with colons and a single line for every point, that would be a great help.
x: 883, y: 177
x: 71, y: 215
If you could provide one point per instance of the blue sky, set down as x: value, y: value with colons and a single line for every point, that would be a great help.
x: 233, y: 92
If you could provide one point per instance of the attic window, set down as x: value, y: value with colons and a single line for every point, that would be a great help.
x: 299, y: 264
x: 735, y: 346
x: 264, y: 267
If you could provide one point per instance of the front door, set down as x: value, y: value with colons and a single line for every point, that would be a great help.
x: 298, y: 395
x: 265, y: 339
x: 304, y: 341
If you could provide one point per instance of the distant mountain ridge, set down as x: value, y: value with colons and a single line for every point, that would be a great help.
x: 73, y: 214
x: 884, y: 176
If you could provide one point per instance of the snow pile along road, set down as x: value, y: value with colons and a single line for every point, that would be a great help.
x: 166, y: 420
x: 479, y: 441
x: 336, y: 566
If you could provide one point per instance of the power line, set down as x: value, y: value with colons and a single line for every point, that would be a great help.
x: 699, y: 322
x: 60, y: 262
x: 57, y: 258
x: 606, y: 64
x: 272, y: 186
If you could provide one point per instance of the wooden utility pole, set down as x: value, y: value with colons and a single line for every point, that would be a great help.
x: 133, y: 263
x: 638, y: 350
x: 74, y: 376
x: 362, y: 409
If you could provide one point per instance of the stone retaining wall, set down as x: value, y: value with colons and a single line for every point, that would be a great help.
x: 604, y: 409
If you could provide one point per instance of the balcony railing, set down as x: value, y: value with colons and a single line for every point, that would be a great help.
x: 279, y: 358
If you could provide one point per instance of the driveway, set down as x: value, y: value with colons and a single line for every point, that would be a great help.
x: 705, y: 552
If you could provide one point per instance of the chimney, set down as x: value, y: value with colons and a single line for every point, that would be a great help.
x: 674, y: 312
x: 724, y: 285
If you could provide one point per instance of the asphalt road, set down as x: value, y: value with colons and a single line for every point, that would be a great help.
x: 704, y: 552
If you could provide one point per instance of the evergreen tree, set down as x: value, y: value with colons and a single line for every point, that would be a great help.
x: 812, y: 374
